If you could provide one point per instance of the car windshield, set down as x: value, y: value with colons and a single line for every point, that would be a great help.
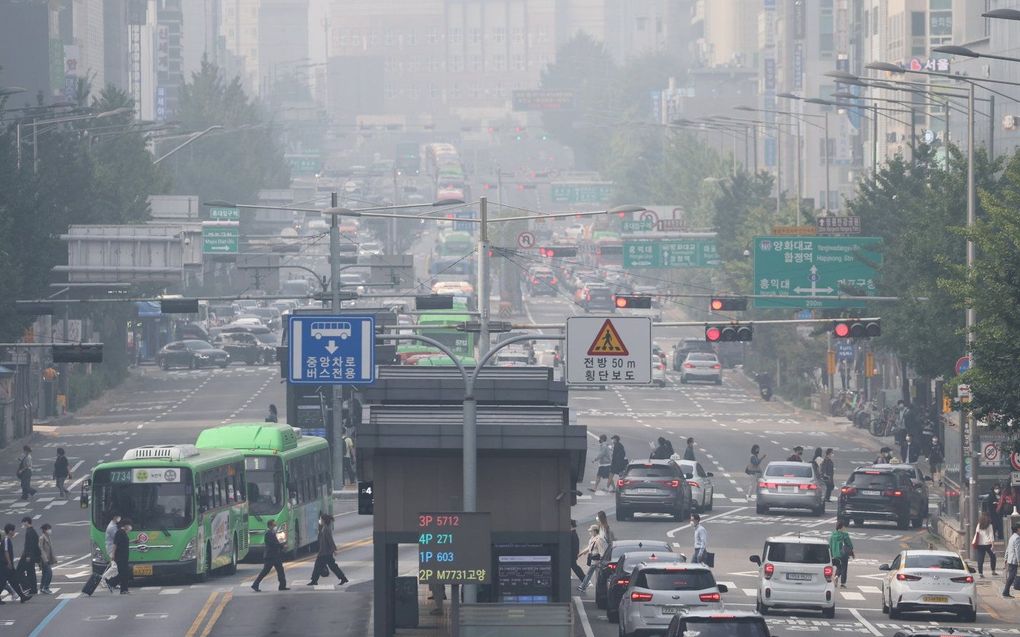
x: 798, y: 553
x: 265, y: 484
x: 686, y: 580
x: 947, y: 562
x: 150, y: 505
x: 866, y: 480
x: 750, y: 627
x: 650, y: 471
x: 788, y: 471
x: 196, y: 345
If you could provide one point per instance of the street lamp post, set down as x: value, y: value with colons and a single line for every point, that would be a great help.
x: 35, y: 123
x: 188, y: 141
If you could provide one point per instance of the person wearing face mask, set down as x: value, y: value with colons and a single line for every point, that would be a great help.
x: 122, y: 555
x: 48, y: 559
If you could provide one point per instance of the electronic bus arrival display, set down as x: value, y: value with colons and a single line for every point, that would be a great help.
x: 454, y: 548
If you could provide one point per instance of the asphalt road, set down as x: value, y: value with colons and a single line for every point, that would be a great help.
x: 162, y: 407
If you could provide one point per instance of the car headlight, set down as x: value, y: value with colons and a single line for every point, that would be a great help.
x: 189, y: 551
x: 202, y: 355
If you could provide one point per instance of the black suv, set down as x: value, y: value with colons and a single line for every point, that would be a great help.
x: 653, y: 486
x: 881, y: 494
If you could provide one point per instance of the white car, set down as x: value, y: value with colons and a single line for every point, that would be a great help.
x: 658, y: 592
x: 658, y: 371
x: 796, y: 572
x: 933, y: 581
x: 702, y: 487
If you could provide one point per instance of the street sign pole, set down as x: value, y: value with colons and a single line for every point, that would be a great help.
x: 483, y: 279
x: 337, y: 393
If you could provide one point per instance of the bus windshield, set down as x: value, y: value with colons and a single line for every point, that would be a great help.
x: 265, y: 484
x: 150, y: 505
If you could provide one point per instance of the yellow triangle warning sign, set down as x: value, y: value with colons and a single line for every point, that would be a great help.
x: 608, y: 342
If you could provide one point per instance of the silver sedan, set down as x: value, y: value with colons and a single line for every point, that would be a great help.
x: 791, y: 485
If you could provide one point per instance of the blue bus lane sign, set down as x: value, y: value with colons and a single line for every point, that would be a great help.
x: 332, y: 349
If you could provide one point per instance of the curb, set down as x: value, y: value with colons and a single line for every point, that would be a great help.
x: 345, y: 494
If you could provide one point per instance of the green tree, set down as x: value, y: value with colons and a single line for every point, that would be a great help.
x: 233, y: 163
x: 992, y: 289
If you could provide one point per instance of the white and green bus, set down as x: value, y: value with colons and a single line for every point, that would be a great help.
x: 289, y: 479
x: 188, y: 509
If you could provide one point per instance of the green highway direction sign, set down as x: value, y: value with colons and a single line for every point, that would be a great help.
x: 671, y: 253
x: 791, y: 267
x: 303, y: 164
x: 220, y: 213
x: 220, y: 238
x: 595, y: 192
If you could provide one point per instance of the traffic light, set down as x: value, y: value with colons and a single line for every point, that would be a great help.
x: 728, y: 304
x: 728, y: 333
x: 633, y: 302
x: 855, y: 328
x: 557, y: 251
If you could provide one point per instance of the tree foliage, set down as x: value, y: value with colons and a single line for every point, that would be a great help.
x: 233, y: 163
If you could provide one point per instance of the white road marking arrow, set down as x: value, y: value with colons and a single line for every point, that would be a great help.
x: 331, y: 347
x: 813, y: 290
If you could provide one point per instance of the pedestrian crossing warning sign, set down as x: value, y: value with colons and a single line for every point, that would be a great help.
x: 608, y: 342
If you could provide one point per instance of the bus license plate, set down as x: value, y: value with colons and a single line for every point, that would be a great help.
x: 142, y: 570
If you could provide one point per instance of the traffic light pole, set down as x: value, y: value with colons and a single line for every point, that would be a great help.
x: 483, y: 276
x: 337, y: 392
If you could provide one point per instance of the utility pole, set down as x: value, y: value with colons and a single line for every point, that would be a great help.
x: 337, y: 397
x: 972, y: 490
x: 483, y: 277
x: 828, y: 163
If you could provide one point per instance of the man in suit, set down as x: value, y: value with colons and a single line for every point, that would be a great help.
x: 273, y: 558
x: 30, y: 556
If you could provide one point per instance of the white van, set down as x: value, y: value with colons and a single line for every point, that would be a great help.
x: 796, y: 573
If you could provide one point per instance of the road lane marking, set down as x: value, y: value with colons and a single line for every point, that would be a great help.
x: 672, y: 532
x: 857, y: 615
x: 216, y: 614
x: 46, y: 620
x: 201, y: 615
x: 852, y: 596
x: 585, y: 624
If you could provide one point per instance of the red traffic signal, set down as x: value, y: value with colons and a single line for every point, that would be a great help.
x: 557, y: 252
x: 853, y: 328
x: 728, y: 304
x: 734, y: 332
x: 633, y: 302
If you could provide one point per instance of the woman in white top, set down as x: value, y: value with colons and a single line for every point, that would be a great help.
x: 983, y: 538
x: 597, y: 547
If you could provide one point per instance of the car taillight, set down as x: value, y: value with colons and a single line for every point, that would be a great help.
x: 770, y: 570
x: 811, y: 486
x: 966, y: 579
x: 893, y: 493
x: 672, y: 484
x: 611, y: 566
x: 623, y: 581
x: 534, y: 281
x: 828, y: 572
x: 717, y: 366
x: 689, y: 365
x: 906, y: 577
x: 553, y: 281
x: 848, y: 490
x: 767, y: 485
x: 640, y: 597
x: 710, y: 597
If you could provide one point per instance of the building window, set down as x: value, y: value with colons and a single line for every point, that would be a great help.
x: 499, y: 35
x: 517, y: 34
x: 456, y: 35
x: 457, y: 64
x: 640, y: 24
x: 518, y: 62
x: 475, y: 63
x: 373, y: 39
x: 432, y: 36
x: 390, y: 38
x: 411, y: 39
x: 918, y: 23
x: 941, y: 23
x: 474, y: 35
x: 499, y: 62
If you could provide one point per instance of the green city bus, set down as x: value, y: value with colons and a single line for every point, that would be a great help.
x: 187, y: 506
x: 289, y: 478
x: 441, y: 325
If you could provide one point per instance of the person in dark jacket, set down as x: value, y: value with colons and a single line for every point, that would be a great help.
x: 8, y: 574
x: 663, y: 449
x: 122, y: 556
x: 828, y: 474
x: 689, y: 451
x: 61, y: 472
x: 575, y: 550
x: 617, y: 465
x: 324, y: 559
x: 30, y: 556
x: 273, y: 558
x: 272, y: 416
x: 796, y: 455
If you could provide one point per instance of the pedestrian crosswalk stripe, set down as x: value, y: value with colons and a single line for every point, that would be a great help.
x: 170, y: 591
x: 729, y: 585
x: 852, y: 596
x: 750, y: 592
x: 870, y: 589
x: 69, y: 596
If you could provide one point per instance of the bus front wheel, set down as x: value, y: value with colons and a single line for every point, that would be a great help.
x: 204, y: 574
